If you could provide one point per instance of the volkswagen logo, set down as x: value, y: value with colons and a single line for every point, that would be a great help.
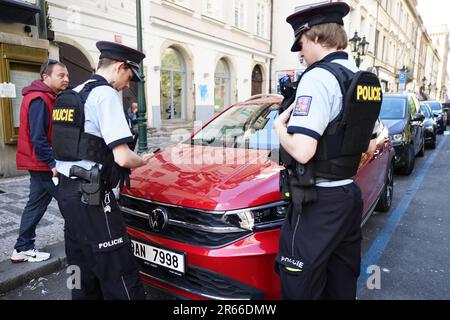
x: 158, y: 219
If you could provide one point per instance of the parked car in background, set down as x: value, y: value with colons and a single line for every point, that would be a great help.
x: 430, y: 125
x: 204, y: 216
x: 440, y: 114
x: 401, y: 114
x: 446, y: 106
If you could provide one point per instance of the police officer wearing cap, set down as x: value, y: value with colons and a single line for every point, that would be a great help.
x: 323, y: 133
x: 91, y: 138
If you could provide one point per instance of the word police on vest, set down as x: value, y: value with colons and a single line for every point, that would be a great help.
x: 368, y: 93
x: 110, y: 243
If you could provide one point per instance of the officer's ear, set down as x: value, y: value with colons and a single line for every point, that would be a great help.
x: 121, y: 66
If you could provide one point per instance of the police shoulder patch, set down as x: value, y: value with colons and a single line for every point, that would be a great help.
x: 302, y: 105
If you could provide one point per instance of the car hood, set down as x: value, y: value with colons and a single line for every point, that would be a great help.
x: 429, y: 122
x: 395, y: 126
x: 226, y: 179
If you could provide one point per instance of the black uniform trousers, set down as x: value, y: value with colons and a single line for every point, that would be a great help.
x: 97, y: 242
x: 320, y: 248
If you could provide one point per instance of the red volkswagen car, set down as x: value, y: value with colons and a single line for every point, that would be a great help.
x: 204, y: 215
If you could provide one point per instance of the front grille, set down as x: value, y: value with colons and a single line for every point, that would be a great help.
x: 204, y: 283
x: 185, y: 225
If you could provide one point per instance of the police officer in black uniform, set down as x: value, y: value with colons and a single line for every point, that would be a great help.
x: 91, y: 138
x: 329, y: 123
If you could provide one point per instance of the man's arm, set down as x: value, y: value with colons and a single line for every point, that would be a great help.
x: 126, y: 158
x: 373, y: 142
x: 39, y: 119
x: 301, y: 147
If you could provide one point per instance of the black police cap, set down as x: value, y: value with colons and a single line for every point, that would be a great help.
x: 303, y: 20
x: 119, y: 52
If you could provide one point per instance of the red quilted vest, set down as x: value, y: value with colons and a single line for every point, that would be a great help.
x: 26, y: 158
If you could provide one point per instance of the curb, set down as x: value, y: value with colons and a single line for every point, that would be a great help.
x: 13, y: 275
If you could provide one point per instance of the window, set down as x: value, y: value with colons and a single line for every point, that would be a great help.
x: 20, y: 65
x: 377, y: 38
x: 261, y: 17
x: 183, y: 3
x: 239, y: 14
x: 212, y: 8
x: 173, y: 79
x: 222, y: 86
x: 257, y: 80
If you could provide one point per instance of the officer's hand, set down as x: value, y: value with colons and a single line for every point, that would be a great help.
x: 55, y: 172
x: 283, y: 119
x: 372, y: 148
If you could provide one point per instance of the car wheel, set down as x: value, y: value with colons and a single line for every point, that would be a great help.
x: 433, y: 142
x: 385, y: 201
x: 422, y: 150
x: 410, y: 161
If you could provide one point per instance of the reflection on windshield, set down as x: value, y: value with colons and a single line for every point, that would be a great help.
x: 242, y: 126
x: 425, y: 111
x: 435, y: 106
x: 393, y: 108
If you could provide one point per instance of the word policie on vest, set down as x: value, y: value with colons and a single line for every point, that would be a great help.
x: 63, y: 115
x: 368, y: 93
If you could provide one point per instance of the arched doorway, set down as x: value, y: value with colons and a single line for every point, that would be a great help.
x: 257, y: 80
x: 77, y: 64
x: 173, y: 84
x: 222, y: 86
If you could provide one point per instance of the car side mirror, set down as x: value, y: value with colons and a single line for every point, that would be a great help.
x: 446, y: 109
x: 435, y: 115
x: 418, y: 117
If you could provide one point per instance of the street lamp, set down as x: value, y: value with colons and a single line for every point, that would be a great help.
x: 142, y: 105
x: 359, y: 48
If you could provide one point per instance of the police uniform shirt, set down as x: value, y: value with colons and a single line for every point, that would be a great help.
x: 104, y: 117
x: 318, y: 102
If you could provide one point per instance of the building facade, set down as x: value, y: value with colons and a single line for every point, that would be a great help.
x: 23, y: 48
x: 398, y: 43
x: 205, y: 55
x: 439, y: 36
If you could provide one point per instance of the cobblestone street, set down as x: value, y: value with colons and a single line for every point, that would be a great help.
x: 14, y: 196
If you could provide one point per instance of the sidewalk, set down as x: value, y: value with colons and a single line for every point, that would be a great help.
x: 49, y: 233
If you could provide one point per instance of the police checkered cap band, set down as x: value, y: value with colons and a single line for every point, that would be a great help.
x: 132, y: 64
x: 302, y: 29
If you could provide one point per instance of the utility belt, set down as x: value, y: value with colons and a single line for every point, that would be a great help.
x: 96, y: 184
x: 88, y: 182
x: 297, y: 184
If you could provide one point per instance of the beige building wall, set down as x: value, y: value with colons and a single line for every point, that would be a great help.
x: 440, y: 38
x: 202, y: 33
x: 14, y: 34
x: 84, y: 22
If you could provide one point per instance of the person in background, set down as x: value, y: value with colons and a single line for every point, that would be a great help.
x: 34, y: 153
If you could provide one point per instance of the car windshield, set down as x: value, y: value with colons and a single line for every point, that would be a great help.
x: 425, y: 110
x: 241, y: 126
x: 393, y: 108
x: 435, y: 106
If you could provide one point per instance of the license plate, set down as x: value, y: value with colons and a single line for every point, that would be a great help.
x: 161, y: 257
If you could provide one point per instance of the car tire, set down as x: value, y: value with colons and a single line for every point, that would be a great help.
x: 433, y: 142
x: 421, y: 152
x: 385, y: 201
x: 410, y: 161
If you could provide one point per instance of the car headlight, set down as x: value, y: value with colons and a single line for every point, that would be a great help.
x: 429, y: 128
x: 396, y: 138
x: 257, y: 219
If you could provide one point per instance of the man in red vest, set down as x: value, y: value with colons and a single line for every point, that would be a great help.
x: 34, y: 153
